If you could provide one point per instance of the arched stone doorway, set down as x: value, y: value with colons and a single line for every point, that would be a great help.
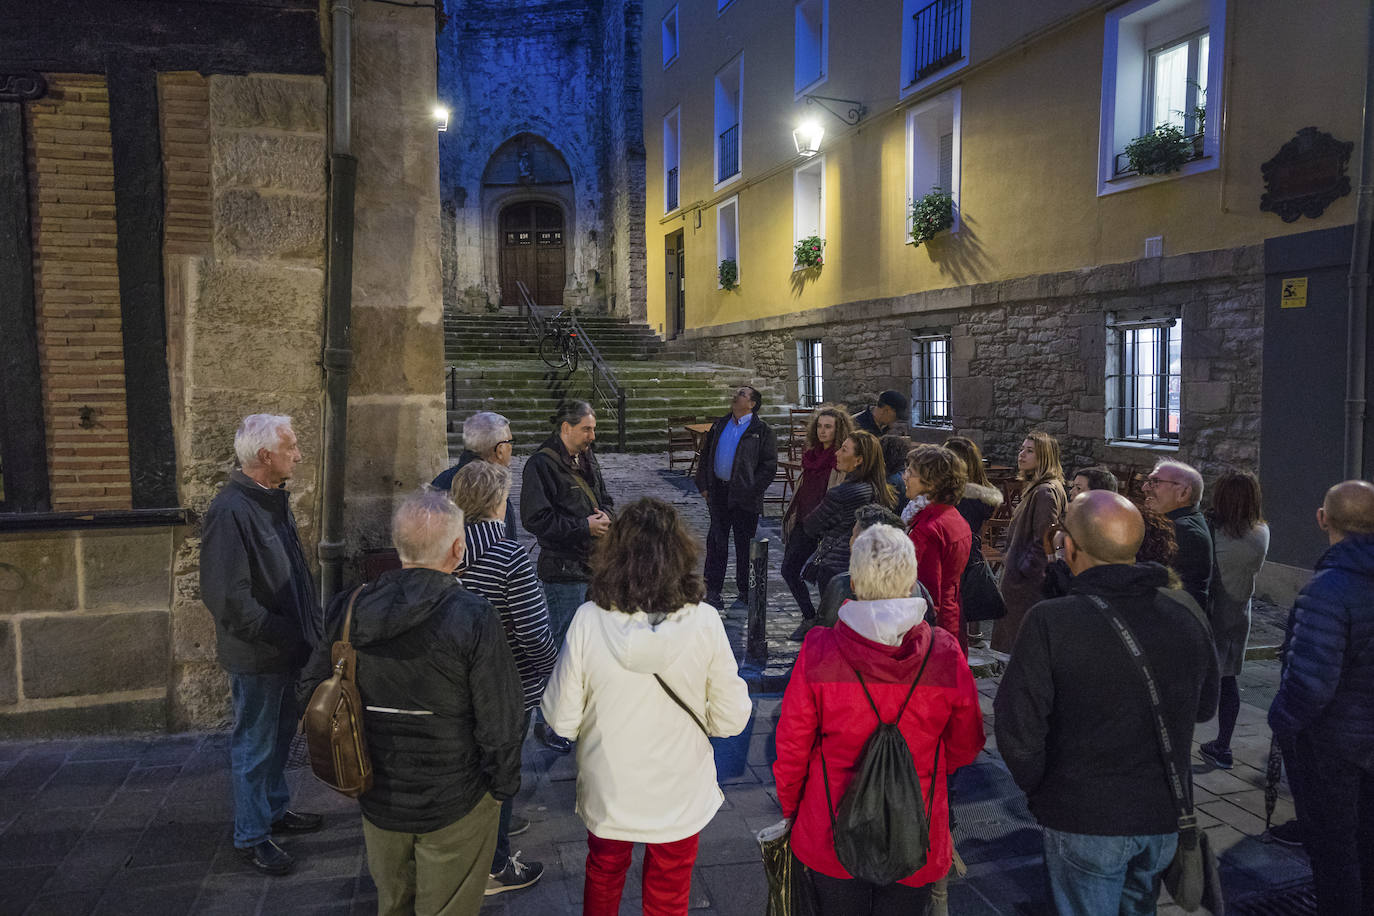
x: 533, y: 253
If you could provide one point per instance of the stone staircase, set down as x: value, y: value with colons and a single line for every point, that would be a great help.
x: 494, y: 365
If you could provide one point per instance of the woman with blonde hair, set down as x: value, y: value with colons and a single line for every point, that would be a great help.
x: 860, y: 457
x: 828, y: 428
x: 1041, y: 509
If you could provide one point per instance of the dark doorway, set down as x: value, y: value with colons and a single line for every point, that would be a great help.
x: 532, y: 253
x: 675, y: 303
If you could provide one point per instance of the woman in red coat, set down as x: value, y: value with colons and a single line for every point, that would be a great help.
x: 880, y: 635
x: 943, y: 539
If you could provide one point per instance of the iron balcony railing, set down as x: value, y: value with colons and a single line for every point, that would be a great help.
x: 672, y: 189
x: 728, y: 158
x: 939, y: 36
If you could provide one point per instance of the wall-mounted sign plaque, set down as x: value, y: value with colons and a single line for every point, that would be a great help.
x: 1306, y: 175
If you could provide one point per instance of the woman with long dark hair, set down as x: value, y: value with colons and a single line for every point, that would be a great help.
x: 645, y: 673
x: 1240, y: 541
x: 832, y: 522
x: 828, y: 428
x: 1041, y: 508
x: 980, y: 498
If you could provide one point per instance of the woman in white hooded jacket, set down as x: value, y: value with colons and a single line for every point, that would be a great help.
x: 641, y: 649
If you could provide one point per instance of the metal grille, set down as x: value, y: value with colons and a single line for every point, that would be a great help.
x: 672, y: 189
x: 939, y: 36
x: 810, y: 381
x: 1148, y: 384
x: 728, y: 160
x: 1298, y: 899
x: 930, y: 405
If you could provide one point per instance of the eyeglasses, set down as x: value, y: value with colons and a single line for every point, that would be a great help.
x: 1156, y: 481
x: 510, y: 442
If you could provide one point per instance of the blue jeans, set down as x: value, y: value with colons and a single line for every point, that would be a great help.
x: 564, y: 598
x: 264, y: 721
x: 1096, y: 875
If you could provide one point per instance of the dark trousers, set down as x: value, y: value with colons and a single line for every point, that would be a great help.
x: 800, y: 546
x: 1335, y: 802
x: 498, y: 861
x: 852, y: 897
x: 726, y: 523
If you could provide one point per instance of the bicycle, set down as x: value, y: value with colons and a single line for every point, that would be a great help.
x: 559, y: 346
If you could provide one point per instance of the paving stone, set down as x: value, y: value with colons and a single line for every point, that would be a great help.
x: 84, y: 785
x: 42, y: 837
x: 65, y: 903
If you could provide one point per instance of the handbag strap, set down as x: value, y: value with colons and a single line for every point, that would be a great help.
x: 1186, y: 818
x: 685, y: 708
x: 348, y: 616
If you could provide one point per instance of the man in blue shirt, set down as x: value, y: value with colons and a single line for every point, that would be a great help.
x: 738, y: 462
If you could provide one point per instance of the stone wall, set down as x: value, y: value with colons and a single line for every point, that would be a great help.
x: 1031, y: 354
x: 625, y: 179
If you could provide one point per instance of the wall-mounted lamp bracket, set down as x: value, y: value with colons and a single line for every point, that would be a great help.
x: 856, y: 113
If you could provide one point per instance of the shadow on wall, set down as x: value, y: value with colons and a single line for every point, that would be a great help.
x: 803, y: 278
x: 959, y: 255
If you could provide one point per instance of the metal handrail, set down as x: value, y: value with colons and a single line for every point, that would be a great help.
x: 605, y: 387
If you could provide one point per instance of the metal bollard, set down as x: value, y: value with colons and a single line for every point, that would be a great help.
x: 756, y: 644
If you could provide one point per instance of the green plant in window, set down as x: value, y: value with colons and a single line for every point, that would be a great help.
x: 931, y: 215
x: 807, y: 253
x: 728, y: 272
x: 1164, y: 149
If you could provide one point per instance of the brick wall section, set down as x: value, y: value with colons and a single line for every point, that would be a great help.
x: 76, y: 287
x: 184, y: 115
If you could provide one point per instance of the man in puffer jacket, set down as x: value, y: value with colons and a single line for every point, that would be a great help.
x: 442, y: 717
x: 1324, y: 710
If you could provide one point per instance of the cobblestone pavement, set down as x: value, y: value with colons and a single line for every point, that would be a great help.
x: 140, y: 824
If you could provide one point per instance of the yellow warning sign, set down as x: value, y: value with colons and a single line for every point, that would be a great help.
x: 1294, y: 294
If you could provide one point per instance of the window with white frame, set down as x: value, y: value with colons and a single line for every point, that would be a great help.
x: 1162, y: 66
x: 727, y: 234
x: 727, y: 122
x: 1144, y: 380
x: 668, y: 32
x: 932, y: 131
x: 808, y: 200
x: 810, y: 375
x: 672, y: 155
x: 812, y: 24
x: 934, y: 40
x: 930, y: 400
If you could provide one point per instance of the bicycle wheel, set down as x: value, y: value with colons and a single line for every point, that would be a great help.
x: 551, y: 350
x: 570, y: 351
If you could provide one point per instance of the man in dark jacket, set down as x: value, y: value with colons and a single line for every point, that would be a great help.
x: 1074, y: 721
x: 564, y: 503
x: 486, y: 437
x: 1323, y: 713
x: 738, y: 463
x: 879, y: 418
x: 256, y: 583
x: 1174, y: 490
x: 442, y: 716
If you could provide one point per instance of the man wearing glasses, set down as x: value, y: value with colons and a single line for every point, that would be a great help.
x: 486, y: 437
x: 1174, y: 490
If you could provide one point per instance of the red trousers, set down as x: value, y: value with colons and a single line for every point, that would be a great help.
x: 667, y: 878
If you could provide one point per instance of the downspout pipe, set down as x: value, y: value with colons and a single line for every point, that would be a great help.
x: 337, y: 357
x: 1357, y: 317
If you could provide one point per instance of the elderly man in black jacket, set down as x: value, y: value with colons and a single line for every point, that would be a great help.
x: 738, y: 462
x: 256, y: 583
x: 1074, y: 719
x: 1174, y: 489
x: 443, y: 717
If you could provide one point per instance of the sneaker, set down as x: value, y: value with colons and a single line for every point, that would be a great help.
x: 551, y: 739
x: 1219, y: 757
x: 514, y: 876
x: 1289, y: 833
x: 518, y: 825
x: 267, y: 857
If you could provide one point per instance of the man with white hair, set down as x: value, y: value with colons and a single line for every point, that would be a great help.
x: 486, y: 437
x: 255, y: 580
x: 442, y: 716
x: 1174, y: 490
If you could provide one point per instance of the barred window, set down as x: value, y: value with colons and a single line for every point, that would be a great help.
x: 1145, y: 403
x: 930, y: 404
x: 810, y: 380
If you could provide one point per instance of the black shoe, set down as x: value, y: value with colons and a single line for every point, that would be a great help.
x: 1219, y: 757
x: 800, y: 632
x: 715, y: 600
x: 267, y: 857
x: 1288, y: 833
x: 514, y: 876
x: 297, y: 822
x: 551, y: 739
x: 518, y: 825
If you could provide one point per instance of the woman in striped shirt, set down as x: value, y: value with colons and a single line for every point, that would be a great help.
x: 497, y: 568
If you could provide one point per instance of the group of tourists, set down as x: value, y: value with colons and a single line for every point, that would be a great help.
x: 1121, y: 625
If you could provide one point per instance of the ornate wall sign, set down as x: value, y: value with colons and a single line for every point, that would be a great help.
x: 1306, y: 175
x: 22, y: 87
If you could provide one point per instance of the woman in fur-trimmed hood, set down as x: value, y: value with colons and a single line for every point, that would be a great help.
x: 981, y: 499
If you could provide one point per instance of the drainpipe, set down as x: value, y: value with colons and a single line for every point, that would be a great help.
x: 1357, y: 318
x: 338, y: 353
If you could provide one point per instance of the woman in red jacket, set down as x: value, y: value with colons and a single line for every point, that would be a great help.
x: 881, y: 636
x: 943, y: 539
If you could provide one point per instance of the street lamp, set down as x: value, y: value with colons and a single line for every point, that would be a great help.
x: 808, y: 138
x: 440, y: 114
